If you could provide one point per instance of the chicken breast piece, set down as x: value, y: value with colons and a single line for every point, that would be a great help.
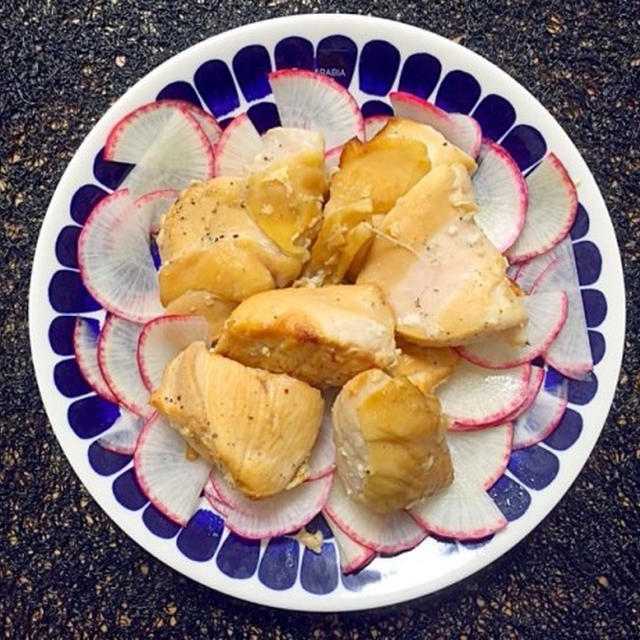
x: 287, y: 187
x: 390, y: 443
x: 257, y: 427
x: 209, y: 242
x: 424, y: 367
x: 323, y: 336
x: 202, y: 303
x: 444, y: 280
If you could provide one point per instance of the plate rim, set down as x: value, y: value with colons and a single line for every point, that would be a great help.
x: 327, y: 603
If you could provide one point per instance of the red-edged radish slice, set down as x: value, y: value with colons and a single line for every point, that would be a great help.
x: 501, y: 194
x: 115, y: 260
x: 461, y: 130
x: 535, y: 382
x: 570, y: 352
x: 167, y: 145
x: 474, y: 395
x: 546, y: 313
x: 527, y: 273
x: 310, y: 100
x: 553, y: 204
x: 152, y: 206
x: 169, y: 477
x: 373, y: 125
x: 85, y: 346
x: 389, y: 533
x: 162, y: 339
x: 214, y: 499
x: 323, y: 455
x: 544, y: 415
x: 353, y: 555
x: 283, y: 513
x: 238, y: 147
x: 207, y: 122
x: 464, y: 510
x: 332, y: 159
x: 117, y: 350
x: 122, y: 435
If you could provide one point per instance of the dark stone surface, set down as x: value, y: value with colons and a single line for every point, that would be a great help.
x: 65, y: 569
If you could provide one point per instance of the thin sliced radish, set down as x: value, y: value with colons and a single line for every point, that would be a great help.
x: 311, y: 100
x: 544, y: 415
x: 501, y: 194
x: 464, y: 510
x: 152, y: 206
x: 533, y: 387
x: 527, y: 273
x: 546, y: 313
x: 474, y: 395
x: 553, y: 204
x: 122, y: 435
x: 117, y: 350
x: 353, y: 555
x: 162, y: 339
x: 207, y: 122
x: 167, y: 475
x: 115, y: 261
x: 323, y: 455
x: 214, y: 499
x: 373, y: 125
x: 461, y: 130
x: 332, y: 159
x: 570, y: 352
x: 283, y: 513
x: 85, y: 346
x: 238, y: 147
x: 165, y: 142
x: 389, y: 533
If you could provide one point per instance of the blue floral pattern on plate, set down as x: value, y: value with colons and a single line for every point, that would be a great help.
x: 281, y: 563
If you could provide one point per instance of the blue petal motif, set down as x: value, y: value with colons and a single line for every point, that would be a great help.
x: 588, y: 261
x: 127, y: 491
x: 84, y: 200
x: 294, y: 52
x: 252, y: 66
x: 67, y: 246
x: 376, y: 108
x: 567, y: 432
x: 582, y: 391
x: 420, y: 75
x: 378, y: 67
x: 106, y: 462
x: 526, y: 144
x: 68, y: 379
x: 61, y: 335
x: 91, y: 416
x: 110, y: 174
x: 67, y: 293
x: 319, y: 524
x: 238, y: 557
x: 201, y: 537
x: 158, y: 523
x: 215, y: 84
x: 476, y: 544
x: 357, y: 581
x: 279, y: 565
x: 595, y: 306
x: 319, y: 572
x: 495, y: 115
x: 598, y: 346
x: 264, y: 116
x: 580, y: 226
x: 180, y: 90
x: 535, y: 467
x: 510, y: 497
x: 336, y: 57
x: 458, y: 92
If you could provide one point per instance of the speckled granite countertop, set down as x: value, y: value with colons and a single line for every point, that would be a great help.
x: 65, y: 569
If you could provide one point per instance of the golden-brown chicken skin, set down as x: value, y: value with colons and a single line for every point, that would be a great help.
x: 390, y: 443
x: 323, y: 336
x: 444, y: 280
x: 257, y: 427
